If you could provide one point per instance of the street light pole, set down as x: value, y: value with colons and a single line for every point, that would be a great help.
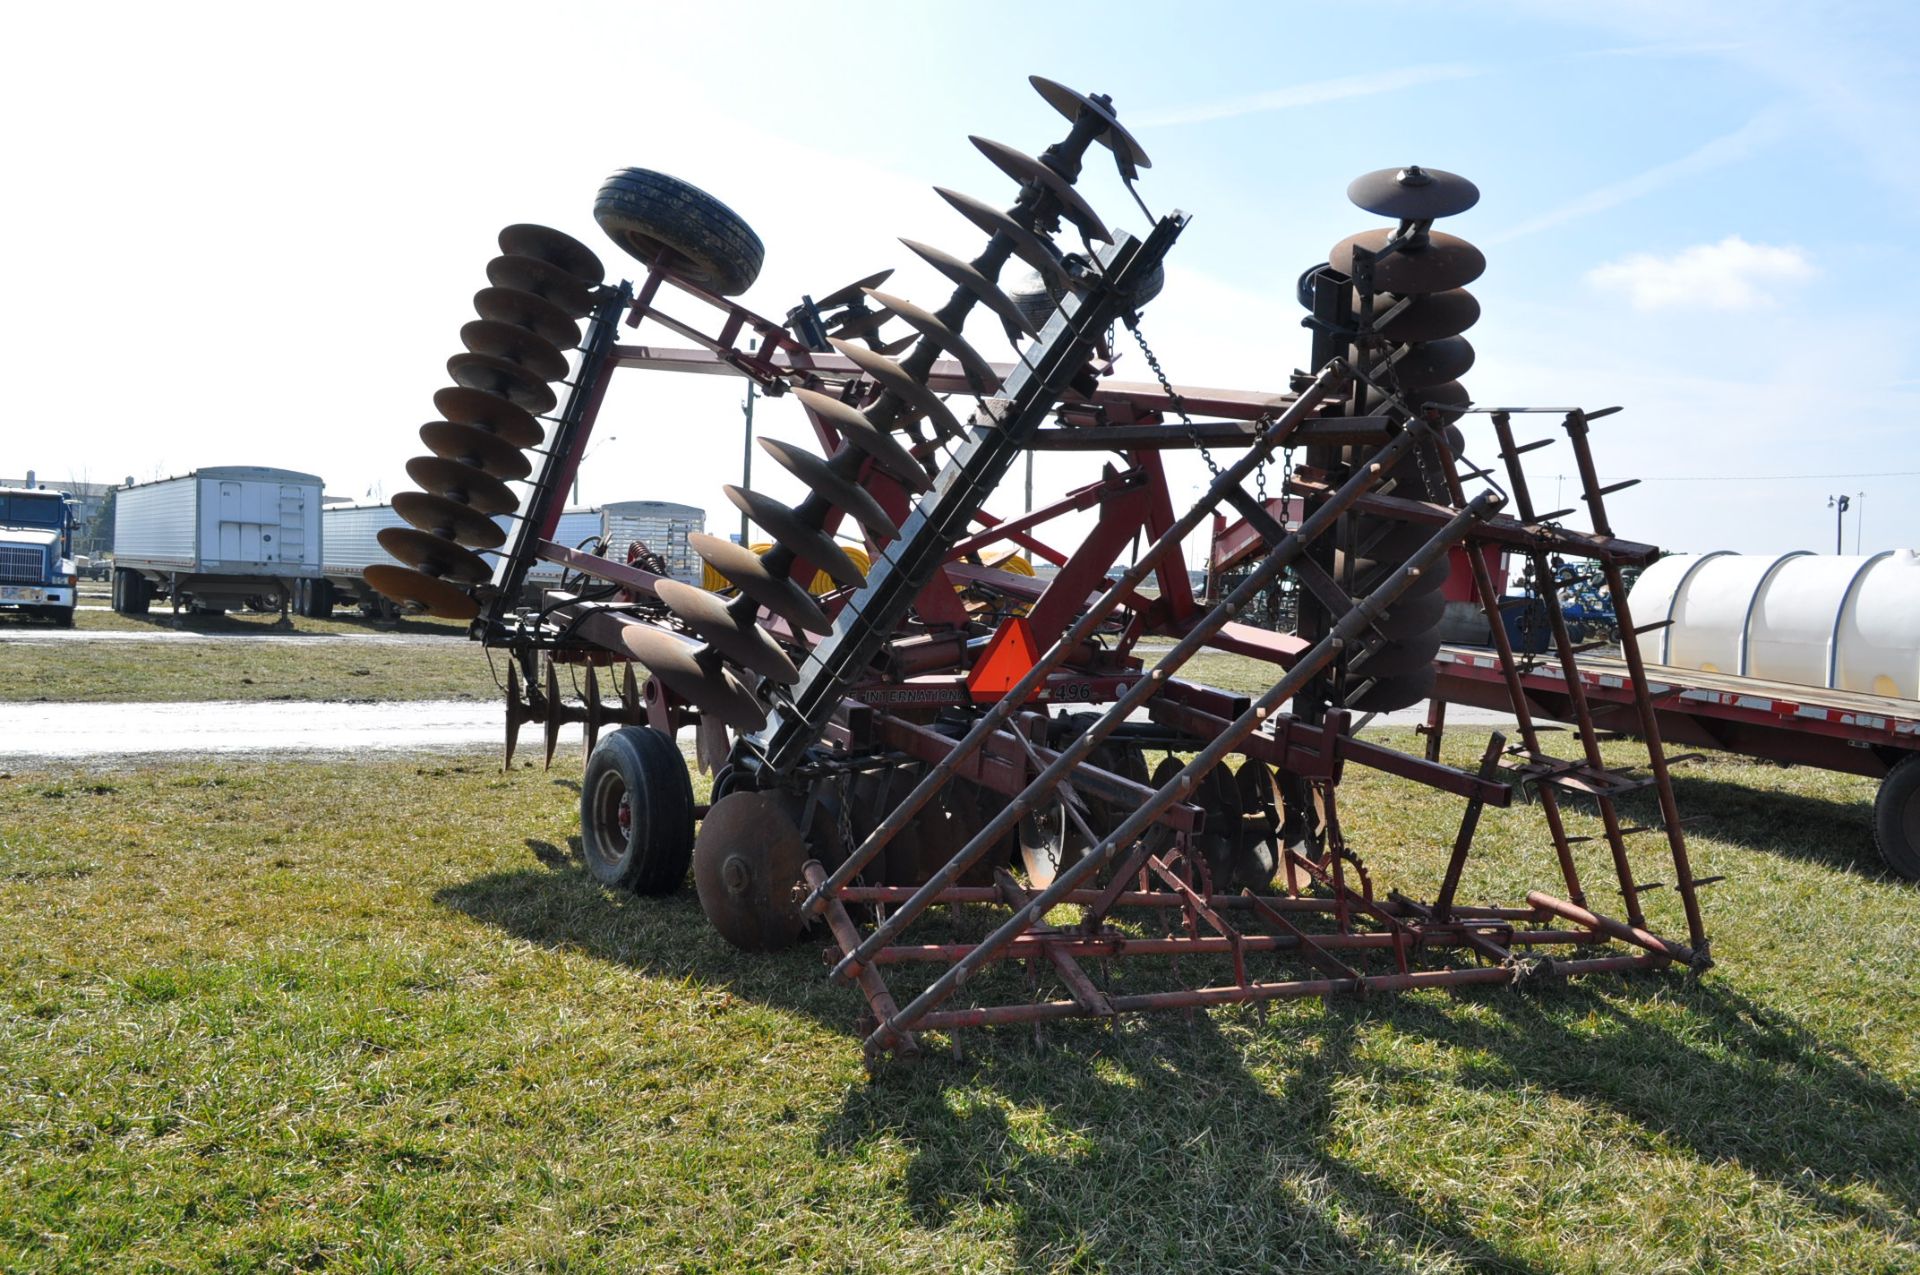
x: 746, y: 457
x: 1839, y: 505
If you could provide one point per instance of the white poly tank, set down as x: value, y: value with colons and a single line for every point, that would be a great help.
x: 1842, y: 621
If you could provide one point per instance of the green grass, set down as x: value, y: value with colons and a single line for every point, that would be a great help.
x: 374, y: 1017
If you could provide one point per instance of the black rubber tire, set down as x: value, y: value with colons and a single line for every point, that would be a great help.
x: 707, y: 243
x: 641, y: 768
x: 319, y: 599
x: 118, y: 588
x: 132, y: 595
x: 62, y: 617
x: 1896, y: 818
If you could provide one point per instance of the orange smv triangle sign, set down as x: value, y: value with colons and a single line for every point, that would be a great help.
x: 1009, y: 654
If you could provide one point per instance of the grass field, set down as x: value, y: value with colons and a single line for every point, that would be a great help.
x: 373, y: 1017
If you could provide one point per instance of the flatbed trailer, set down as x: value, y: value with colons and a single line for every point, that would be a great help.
x: 1861, y: 734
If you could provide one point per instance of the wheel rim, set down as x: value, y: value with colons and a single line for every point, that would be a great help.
x: 612, y: 816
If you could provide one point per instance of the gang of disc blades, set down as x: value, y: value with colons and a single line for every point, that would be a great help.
x: 854, y: 426
x: 1442, y: 263
x: 1024, y: 168
x: 892, y: 376
x: 1428, y: 316
x: 981, y: 378
x: 1413, y: 193
x: 483, y: 449
x: 746, y: 571
x: 1069, y: 103
x: 463, y: 483
x: 434, y: 555
x: 463, y: 524
x: 839, y: 492
x: 464, y: 406
x: 530, y: 274
x: 742, y: 641
x: 556, y: 248
x: 981, y: 288
x: 534, y: 313
x: 439, y: 598
x: 516, y: 345
x: 1426, y: 364
x: 852, y: 292
x: 706, y: 686
x: 504, y: 377
x: 792, y: 533
x: 1029, y: 247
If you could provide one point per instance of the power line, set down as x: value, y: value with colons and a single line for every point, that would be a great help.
x: 1758, y: 478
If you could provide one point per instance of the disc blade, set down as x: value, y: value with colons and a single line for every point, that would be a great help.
x: 981, y: 288
x: 852, y: 292
x: 1427, y: 317
x: 1443, y: 263
x: 525, y: 310
x: 1388, y: 693
x: 787, y: 530
x: 465, y: 406
x: 434, y: 555
x: 516, y: 345
x: 893, y: 377
x: 831, y: 487
x: 530, y: 274
x: 742, y: 641
x: 745, y: 570
x: 1448, y: 399
x: 457, y: 522
x: 439, y: 598
x: 854, y: 426
x: 554, y: 247
x: 981, y: 378
x: 463, y: 483
x: 483, y: 449
x: 746, y: 862
x: 1028, y: 246
x: 502, y: 377
x: 1430, y: 363
x: 707, y: 686
x: 1413, y: 193
x: 1024, y: 168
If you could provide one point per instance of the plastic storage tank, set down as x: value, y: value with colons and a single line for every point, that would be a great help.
x: 1842, y: 621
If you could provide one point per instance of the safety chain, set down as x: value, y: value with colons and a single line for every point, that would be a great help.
x: 1173, y: 396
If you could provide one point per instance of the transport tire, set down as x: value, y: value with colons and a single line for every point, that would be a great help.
x: 62, y: 617
x: 133, y: 595
x: 1896, y: 818
x: 706, y: 243
x: 319, y: 598
x: 636, y: 812
x: 119, y: 590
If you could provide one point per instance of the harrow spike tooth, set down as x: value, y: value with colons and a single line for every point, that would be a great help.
x: 555, y: 247
x: 481, y: 448
x: 981, y: 378
x: 853, y: 291
x: 514, y: 711
x: 442, y: 599
x: 743, y: 568
x: 449, y: 519
x: 712, y: 744
x: 891, y: 376
x: 504, y: 377
x: 433, y: 555
x: 551, y: 727
x: 820, y: 478
x: 1443, y: 263
x: 465, y: 484
x: 983, y: 289
x: 530, y: 311
x: 594, y: 712
x: 736, y: 638
x: 464, y: 406
x: 544, y: 280
x: 697, y: 678
x: 531, y: 352
x: 1413, y: 193
x: 791, y: 532
x: 1029, y: 247
x: 856, y: 428
x: 1025, y: 169
x: 630, y: 698
x: 1070, y: 103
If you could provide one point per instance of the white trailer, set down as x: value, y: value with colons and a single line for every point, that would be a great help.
x: 216, y: 539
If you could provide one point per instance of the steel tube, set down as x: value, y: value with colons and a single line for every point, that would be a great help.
x: 1616, y: 929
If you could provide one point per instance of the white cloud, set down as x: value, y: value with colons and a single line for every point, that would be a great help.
x: 1730, y: 275
x: 1309, y: 94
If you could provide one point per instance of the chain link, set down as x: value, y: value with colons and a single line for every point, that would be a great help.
x: 1173, y: 397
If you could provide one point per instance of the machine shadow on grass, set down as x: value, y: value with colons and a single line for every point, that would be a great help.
x: 1816, y: 830
x: 1158, y: 1123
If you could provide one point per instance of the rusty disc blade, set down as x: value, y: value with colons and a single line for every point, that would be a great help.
x: 1024, y: 169
x: 483, y: 449
x: 1258, y: 856
x: 1411, y: 616
x: 831, y: 487
x: 853, y: 291
x: 1448, y: 399
x: 457, y: 522
x: 525, y: 310
x: 410, y: 588
x: 434, y: 555
x: 1443, y: 263
x: 981, y: 378
x: 704, y: 684
x: 1029, y: 247
x: 893, y: 377
x: 1428, y: 363
x: 854, y: 426
x: 465, y: 406
x: 790, y: 532
x: 778, y: 594
x: 740, y: 640
x: 1070, y: 104
x: 463, y: 483
x: 977, y: 285
x: 530, y: 274
x: 554, y: 247
x: 1385, y: 694
x: 503, y: 377
x: 1427, y: 317
x: 516, y: 345
x: 746, y: 862
x: 858, y: 322
x: 1413, y: 193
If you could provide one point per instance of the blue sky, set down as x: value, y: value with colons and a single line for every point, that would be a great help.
x: 249, y: 234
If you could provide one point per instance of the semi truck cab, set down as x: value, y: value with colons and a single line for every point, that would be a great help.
x: 37, y: 575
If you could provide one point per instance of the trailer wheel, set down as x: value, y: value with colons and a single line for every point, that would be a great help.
x: 636, y: 812
x: 131, y: 594
x: 1896, y: 818
x: 320, y: 599
x: 704, y: 241
x: 62, y: 617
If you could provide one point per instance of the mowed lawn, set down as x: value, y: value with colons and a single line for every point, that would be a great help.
x: 375, y: 1017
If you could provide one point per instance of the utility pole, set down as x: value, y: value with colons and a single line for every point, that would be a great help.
x: 1839, y: 505
x: 746, y: 457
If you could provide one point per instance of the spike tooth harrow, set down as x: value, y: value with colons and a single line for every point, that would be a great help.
x: 893, y: 744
